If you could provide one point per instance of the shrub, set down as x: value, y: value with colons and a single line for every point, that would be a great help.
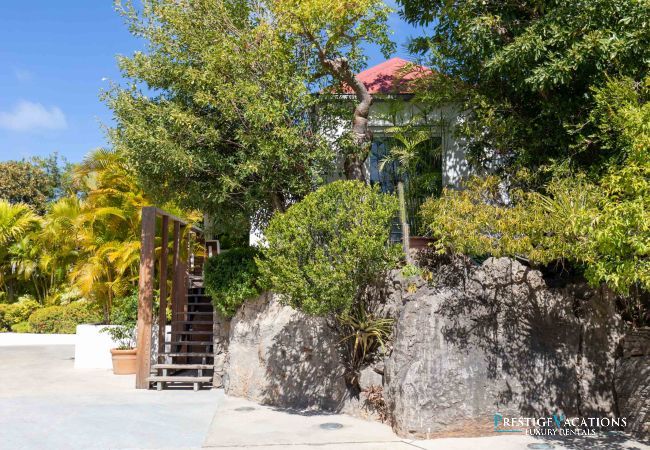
x: 20, y: 327
x: 125, y: 310
x: 231, y: 278
x: 325, y: 250
x: 20, y: 311
x: 63, y: 319
x: 123, y: 335
x: 4, y: 325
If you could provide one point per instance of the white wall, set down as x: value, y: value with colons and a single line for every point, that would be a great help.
x: 93, y: 349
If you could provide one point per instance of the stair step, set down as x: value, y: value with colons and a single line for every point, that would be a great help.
x: 184, y: 366
x: 190, y: 343
x: 195, y: 313
x: 184, y: 379
x: 190, y: 354
x: 194, y: 322
x: 191, y: 332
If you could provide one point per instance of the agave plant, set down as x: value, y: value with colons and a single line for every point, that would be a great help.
x: 365, y: 334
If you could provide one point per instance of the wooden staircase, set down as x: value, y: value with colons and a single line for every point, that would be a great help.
x: 188, y: 357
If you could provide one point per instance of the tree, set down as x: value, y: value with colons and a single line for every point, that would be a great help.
x: 526, y: 69
x: 33, y: 182
x: 223, y: 124
x: 329, y: 34
x: 600, y: 227
x: 106, y: 228
x: 16, y: 222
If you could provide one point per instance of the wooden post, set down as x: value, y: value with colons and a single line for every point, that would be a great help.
x: 162, y: 311
x: 145, y: 297
x: 176, y: 288
x: 181, y: 273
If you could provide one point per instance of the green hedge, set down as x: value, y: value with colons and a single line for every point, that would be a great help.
x: 63, y: 319
x: 15, y: 313
x: 20, y: 327
x: 231, y: 278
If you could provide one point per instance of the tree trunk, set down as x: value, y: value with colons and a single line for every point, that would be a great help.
x: 406, y: 234
x: 277, y: 201
x: 361, y: 134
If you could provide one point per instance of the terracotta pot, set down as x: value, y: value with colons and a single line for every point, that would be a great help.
x: 124, y: 361
x: 420, y: 242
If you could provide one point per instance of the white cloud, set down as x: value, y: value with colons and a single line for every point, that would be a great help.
x: 29, y: 116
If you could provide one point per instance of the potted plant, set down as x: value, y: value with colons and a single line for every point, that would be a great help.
x: 124, y: 355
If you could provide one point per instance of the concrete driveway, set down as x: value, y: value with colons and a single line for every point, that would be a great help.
x: 47, y: 404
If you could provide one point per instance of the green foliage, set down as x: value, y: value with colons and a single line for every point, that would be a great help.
x: 365, y: 335
x: 16, y: 223
x: 227, y: 130
x: 601, y: 226
x: 20, y: 311
x: 4, y: 326
x: 325, y: 250
x: 527, y: 70
x: 21, y: 327
x: 417, y: 163
x: 125, y: 310
x: 85, y: 246
x: 411, y: 270
x: 32, y: 182
x: 231, y: 278
x: 329, y: 36
x: 63, y: 319
x: 124, y: 335
x: 575, y: 221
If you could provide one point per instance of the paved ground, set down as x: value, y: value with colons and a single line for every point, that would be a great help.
x: 242, y: 424
x: 47, y: 404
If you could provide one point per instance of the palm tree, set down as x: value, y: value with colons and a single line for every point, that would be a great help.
x: 407, y: 155
x: 16, y: 222
x: 108, y: 228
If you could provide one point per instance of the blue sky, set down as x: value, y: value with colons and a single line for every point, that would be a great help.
x: 55, y: 57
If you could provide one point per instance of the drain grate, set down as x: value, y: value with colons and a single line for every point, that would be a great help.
x: 245, y: 409
x: 540, y: 446
x: 331, y: 426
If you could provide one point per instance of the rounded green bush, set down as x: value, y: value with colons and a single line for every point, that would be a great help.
x: 231, y: 278
x: 20, y: 327
x: 63, y: 319
x: 20, y: 311
x: 4, y: 324
x: 325, y: 250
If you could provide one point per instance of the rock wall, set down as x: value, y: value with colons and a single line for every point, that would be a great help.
x: 633, y: 382
x: 474, y: 341
x: 498, y: 339
x: 281, y: 357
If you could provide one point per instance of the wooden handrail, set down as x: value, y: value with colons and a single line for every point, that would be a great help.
x: 172, y: 218
x: 180, y: 240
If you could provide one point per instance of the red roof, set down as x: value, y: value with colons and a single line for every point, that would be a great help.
x: 391, y: 77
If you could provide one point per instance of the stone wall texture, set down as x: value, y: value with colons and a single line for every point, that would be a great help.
x: 281, y: 357
x: 497, y: 339
x: 474, y: 341
x: 633, y: 382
